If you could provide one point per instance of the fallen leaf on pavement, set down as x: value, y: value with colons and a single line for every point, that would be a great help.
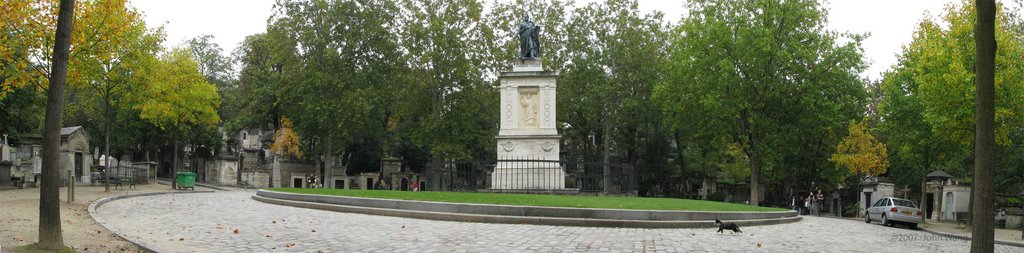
x: 314, y: 230
x: 181, y: 239
x: 236, y: 231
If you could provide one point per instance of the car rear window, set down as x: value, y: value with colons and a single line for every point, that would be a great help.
x: 903, y: 202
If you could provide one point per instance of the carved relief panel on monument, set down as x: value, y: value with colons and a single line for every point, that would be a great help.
x: 529, y: 102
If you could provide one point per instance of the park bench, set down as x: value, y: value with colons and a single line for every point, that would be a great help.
x: 244, y: 184
x: 961, y: 218
x: 120, y: 181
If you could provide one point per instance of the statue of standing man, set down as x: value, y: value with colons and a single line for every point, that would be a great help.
x: 529, y: 45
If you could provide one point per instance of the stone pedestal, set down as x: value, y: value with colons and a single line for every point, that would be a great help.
x: 528, y: 130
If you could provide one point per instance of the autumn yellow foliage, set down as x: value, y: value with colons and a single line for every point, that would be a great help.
x: 101, y: 29
x: 286, y: 140
x: 860, y: 152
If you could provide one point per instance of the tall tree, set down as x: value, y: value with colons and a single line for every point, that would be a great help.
x: 121, y: 50
x: 178, y: 97
x: 611, y: 66
x: 757, y: 64
x: 343, y: 65
x: 23, y: 111
x: 25, y: 44
x: 218, y: 69
x: 258, y: 97
x: 928, y: 97
x: 449, y: 102
x: 210, y: 60
x: 50, y: 236
x: 106, y: 41
x: 982, y: 235
x: 286, y: 141
x: 860, y: 152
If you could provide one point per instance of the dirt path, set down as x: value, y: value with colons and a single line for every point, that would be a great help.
x: 19, y: 219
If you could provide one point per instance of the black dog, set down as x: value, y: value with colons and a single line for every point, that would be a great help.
x: 727, y: 225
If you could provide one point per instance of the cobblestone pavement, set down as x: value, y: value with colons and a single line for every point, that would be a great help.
x: 233, y: 222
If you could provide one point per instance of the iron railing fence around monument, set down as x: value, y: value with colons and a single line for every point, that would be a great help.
x: 534, y: 176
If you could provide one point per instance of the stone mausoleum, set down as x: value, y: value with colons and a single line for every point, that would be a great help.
x: 873, y: 189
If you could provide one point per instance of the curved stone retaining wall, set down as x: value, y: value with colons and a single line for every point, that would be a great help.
x: 524, y: 214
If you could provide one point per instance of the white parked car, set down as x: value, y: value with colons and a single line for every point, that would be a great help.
x: 893, y: 210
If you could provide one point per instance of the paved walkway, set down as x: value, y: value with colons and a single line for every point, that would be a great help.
x: 207, y: 222
x: 1006, y: 235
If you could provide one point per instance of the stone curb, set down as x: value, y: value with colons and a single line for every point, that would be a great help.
x: 100, y: 202
x: 165, y: 181
x: 511, y: 219
x: 531, y: 211
x: 968, y: 238
x: 213, y: 187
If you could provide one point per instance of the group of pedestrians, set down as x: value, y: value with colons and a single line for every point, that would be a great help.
x: 810, y: 205
x: 312, y: 181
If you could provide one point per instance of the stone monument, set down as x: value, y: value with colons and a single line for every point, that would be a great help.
x: 528, y: 122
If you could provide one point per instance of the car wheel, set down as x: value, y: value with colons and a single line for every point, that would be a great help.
x: 913, y: 225
x: 885, y: 221
x: 867, y: 217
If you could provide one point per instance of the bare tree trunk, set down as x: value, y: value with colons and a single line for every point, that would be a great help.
x: 924, y: 198
x: 606, y: 171
x: 106, y: 144
x: 755, y: 174
x: 982, y: 234
x: 924, y: 184
x: 755, y: 159
x: 681, y: 154
x: 50, y: 237
x: 174, y: 164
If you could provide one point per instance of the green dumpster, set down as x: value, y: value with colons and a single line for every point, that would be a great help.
x: 186, y: 180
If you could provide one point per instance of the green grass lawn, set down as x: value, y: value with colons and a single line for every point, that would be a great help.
x: 541, y: 200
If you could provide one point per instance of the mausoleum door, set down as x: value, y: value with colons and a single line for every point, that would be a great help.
x: 929, y: 205
x: 78, y: 164
x: 949, y: 206
x: 867, y: 200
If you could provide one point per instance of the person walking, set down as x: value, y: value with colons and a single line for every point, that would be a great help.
x: 792, y: 204
x: 807, y: 203
x: 820, y: 199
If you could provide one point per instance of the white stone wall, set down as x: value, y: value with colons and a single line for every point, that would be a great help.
x: 959, y: 203
x: 879, y: 191
x: 284, y: 171
x: 256, y: 179
x: 222, y: 171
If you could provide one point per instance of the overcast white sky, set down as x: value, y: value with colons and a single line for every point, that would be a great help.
x: 890, y: 22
